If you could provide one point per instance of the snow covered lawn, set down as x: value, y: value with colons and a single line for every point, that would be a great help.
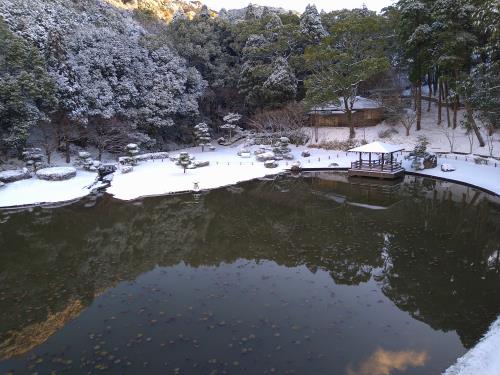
x: 35, y: 191
x: 484, y: 176
x: 226, y: 168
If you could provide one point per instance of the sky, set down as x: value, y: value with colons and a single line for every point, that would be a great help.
x: 300, y: 5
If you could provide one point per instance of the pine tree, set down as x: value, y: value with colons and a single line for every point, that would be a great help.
x: 231, y: 123
x: 311, y: 26
x: 202, y: 134
x: 26, y: 90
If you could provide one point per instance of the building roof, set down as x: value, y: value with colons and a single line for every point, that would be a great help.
x: 359, y: 103
x: 378, y: 148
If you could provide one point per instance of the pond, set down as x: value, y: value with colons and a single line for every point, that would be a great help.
x: 311, y: 275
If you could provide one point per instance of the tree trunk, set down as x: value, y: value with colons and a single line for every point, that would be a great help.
x: 447, y: 103
x: 414, y: 92
x: 407, y: 132
x: 472, y: 122
x: 66, y: 151
x: 455, y: 110
x: 429, y: 84
x: 348, y: 112
x: 435, y: 82
x: 440, y: 100
x: 352, y: 132
x: 99, y: 155
x: 419, y: 104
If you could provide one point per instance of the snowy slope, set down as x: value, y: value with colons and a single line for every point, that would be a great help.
x: 483, y: 359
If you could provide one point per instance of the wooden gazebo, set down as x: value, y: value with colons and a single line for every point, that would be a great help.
x: 380, y: 163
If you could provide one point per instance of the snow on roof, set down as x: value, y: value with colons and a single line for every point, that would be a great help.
x: 359, y: 103
x: 377, y: 148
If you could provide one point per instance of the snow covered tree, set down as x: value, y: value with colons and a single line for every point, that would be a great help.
x: 231, y: 123
x: 202, y: 134
x: 105, y: 68
x: 204, y: 43
x: 184, y: 160
x: 281, y: 85
x: 273, y: 22
x: 311, y: 26
x: 415, y: 33
x: 341, y: 62
x: 26, y: 90
x: 251, y: 13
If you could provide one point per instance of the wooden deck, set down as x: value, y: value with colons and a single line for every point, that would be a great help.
x: 376, y: 169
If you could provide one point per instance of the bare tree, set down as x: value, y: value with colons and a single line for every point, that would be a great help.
x: 108, y: 136
x: 449, y: 133
x: 68, y: 131
x: 469, y: 132
x: 287, y: 122
x: 489, y: 132
x: 408, y: 120
x: 45, y: 137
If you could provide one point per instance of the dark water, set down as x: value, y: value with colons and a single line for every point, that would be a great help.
x: 293, y: 276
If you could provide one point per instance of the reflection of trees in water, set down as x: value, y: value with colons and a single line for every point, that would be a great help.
x: 439, y: 268
x: 431, y: 254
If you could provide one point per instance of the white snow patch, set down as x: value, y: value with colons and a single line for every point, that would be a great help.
x: 226, y: 168
x: 483, y: 359
x: 483, y: 176
x: 35, y: 191
x: 56, y: 173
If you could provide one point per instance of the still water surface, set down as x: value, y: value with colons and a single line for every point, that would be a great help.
x: 312, y: 275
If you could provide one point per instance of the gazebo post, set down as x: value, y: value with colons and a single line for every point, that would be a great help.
x: 392, y: 161
x: 360, y: 160
x: 382, y: 164
x: 370, y: 160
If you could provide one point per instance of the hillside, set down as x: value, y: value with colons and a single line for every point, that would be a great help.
x: 163, y: 9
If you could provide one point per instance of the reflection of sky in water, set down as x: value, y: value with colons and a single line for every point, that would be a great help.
x: 384, y: 362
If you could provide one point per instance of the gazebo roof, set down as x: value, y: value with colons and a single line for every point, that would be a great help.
x: 377, y: 148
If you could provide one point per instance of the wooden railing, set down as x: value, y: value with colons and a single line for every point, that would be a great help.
x: 376, y: 165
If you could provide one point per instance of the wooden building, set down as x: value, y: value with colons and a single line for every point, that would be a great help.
x: 366, y: 112
x: 381, y: 162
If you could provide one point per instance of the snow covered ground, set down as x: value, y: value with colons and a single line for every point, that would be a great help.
x: 438, y: 141
x: 483, y: 359
x: 484, y: 176
x: 35, y: 191
x: 226, y: 168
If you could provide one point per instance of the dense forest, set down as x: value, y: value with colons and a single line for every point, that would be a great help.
x: 103, y: 74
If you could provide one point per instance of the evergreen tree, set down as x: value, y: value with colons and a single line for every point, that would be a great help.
x: 311, y: 26
x: 231, y: 123
x: 26, y: 90
x: 202, y: 134
x: 352, y: 54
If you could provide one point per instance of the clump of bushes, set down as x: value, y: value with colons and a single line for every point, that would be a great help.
x: 337, y: 144
x: 384, y: 134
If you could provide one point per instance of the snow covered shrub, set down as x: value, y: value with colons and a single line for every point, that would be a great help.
x: 387, y: 133
x: 337, y: 145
